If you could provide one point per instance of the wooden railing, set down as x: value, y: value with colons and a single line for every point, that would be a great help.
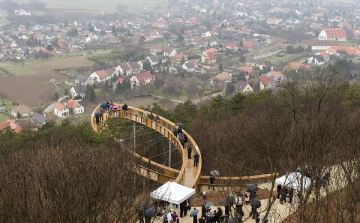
x: 153, y: 170
x: 237, y: 181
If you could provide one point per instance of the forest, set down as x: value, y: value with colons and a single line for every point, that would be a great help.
x: 70, y: 173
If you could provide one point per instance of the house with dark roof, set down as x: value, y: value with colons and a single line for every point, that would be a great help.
x: 154, y: 60
x: 38, y: 119
x: 135, y: 67
x: 78, y: 91
x: 316, y: 60
x: 123, y: 69
x: 243, y: 87
x: 170, y: 52
x: 81, y: 79
x: 189, y: 67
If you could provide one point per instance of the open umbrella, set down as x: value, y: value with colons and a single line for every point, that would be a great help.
x: 150, y: 212
x: 214, y: 173
x: 256, y: 203
x: 223, y: 202
x: 230, y: 220
x: 179, y: 124
x: 209, y: 204
x: 252, y: 187
x: 194, y: 212
x: 98, y: 113
x: 226, y: 201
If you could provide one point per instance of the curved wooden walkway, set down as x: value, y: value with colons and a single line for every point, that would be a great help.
x: 188, y: 175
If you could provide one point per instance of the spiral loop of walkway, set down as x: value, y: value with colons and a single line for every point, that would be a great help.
x: 188, y: 175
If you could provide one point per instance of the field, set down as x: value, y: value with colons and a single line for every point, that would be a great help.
x: 15, y: 69
x: 4, y: 22
x: 88, y: 8
x: 30, y: 89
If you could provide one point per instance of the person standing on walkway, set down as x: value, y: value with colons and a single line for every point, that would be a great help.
x: 157, y: 118
x: 182, y: 209
x: 195, y: 218
x: 278, y: 189
x: 145, y: 114
x: 212, y: 179
x: 125, y: 107
x: 196, y: 159
x: 291, y: 195
x: 179, y: 132
x: 189, y: 149
x: 227, y: 211
x: 169, y: 218
x: 174, y: 216
x: 187, y: 207
x: 151, y: 116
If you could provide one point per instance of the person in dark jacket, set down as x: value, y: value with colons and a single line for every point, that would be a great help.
x: 278, y: 189
x: 189, y: 149
x: 227, y: 211
x: 203, y: 210
x: 212, y: 179
x: 291, y: 195
x: 196, y: 159
x: 182, y: 209
x: 179, y: 132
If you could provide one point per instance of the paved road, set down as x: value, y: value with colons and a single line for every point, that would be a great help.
x: 49, y: 108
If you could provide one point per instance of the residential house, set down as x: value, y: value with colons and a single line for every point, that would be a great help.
x: 61, y: 110
x: 337, y: 34
x: 155, y: 49
x: 208, y: 56
x: 154, y: 60
x: 316, y: 60
x: 266, y: 83
x: 123, y: 70
x: 78, y: 91
x: 101, y: 76
x: 11, y: 124
x: 119, y: 80
x: 22, y: 12
x: 170, y: 52
x: 276, y: 76
x: 81, y: 79
x: 74, y: 107
x: 189, y: 67
x: 246, y: 69
x: 230, y: 46
x: 243, y: 87
x: 23, y: 110
x: 38, y: 119
x: 142, y: 79
x: 135, y: 67
x: 221, y: 79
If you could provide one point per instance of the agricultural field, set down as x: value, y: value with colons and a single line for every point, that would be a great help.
x: 30, y: 89
x: 77, y: 9
x: 4, y: 22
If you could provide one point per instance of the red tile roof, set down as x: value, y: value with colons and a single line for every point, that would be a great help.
x: 10, y: 123
x: 72, y: 104
x: 265, y: 80
x: 59, y: 106
x: 335, y: 33
x: 101, y: 73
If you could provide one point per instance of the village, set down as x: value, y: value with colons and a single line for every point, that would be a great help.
x: 226, y: 46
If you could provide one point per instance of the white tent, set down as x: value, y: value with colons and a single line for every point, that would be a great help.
x: 172, y: 192
x: 293, y: 180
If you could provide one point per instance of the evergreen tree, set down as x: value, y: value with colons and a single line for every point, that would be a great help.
x: 56, y: 96
x: 119, y: 88
x: 182, y: 60
x: 221, y: 67
x: 106, y: 86
x: 66, y: 91
x: 229, y: 89
x: 18, y: 115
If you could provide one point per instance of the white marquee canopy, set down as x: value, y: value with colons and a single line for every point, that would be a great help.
x: 172, y: 192
x: 294, y: 180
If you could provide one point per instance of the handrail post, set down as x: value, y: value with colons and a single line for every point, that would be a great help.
x: 169, y: 153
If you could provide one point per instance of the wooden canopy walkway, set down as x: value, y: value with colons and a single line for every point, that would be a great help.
x: 188, y: 175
